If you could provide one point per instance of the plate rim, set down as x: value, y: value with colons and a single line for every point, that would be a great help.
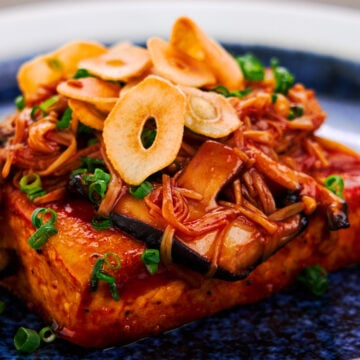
x: 315, y: 27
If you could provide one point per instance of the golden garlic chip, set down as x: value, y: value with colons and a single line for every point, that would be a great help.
x: 189, y: 38
x: 152, y: 99
x: 101, y: 93
x: 122, y: 62
x: 55, y: 66
x: 177, y: 66
x: 209, y: 113
x: 87, y: 114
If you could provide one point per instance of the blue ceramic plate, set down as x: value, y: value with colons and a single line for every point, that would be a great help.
x: 291, y: 324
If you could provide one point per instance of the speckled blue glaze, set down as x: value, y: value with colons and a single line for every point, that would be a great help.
x: 288, y: 325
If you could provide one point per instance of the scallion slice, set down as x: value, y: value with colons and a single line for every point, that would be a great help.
x: 100, y: 223
x: 81, y: 73
x: 142, y: 190
x: 26, y: 340
x: 151, y: 259
x: 47, y: 335
x: 251, y: 67
x: 335, y: 184
x: 65, y: 119
x: 315, y: 279
x: 32, y: 186
x: 20, y: 102
x: 284, y: 80
x: 44, y: 229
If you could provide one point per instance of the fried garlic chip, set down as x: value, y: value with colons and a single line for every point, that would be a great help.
x: 123, y: 129
x: 189, y: 38
x: 209, y: 113
x: 121, y: 62
x: 52, y: 67
x: 100, y: 93
x: 177, y: 66
x: 87, y: 114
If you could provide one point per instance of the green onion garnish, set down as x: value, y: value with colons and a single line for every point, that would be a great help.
x: 47, y: 335
x: 98, y: 273
x: 142, y: 190
x: 335, y: 184
x: 2, y: 307
x: 26, y: 340
x: 20, y: 102
x: 112, y: 261
x: 45, y: 105
x: 251, y: 67
x: 31, y: 185
x: 147, y: 137
x: 44, y: 229
x: 81, y: 73
x: 284, y: 80
x: 98, y: 183
x: 151, y: 259
x: 64, y: 122
x: 295, y: 112
x: 36, y: 112
x: 224, y: 91
x: 315, y: 279
x: 100, y: 223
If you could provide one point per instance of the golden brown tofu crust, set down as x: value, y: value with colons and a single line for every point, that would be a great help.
x: 55, y: 280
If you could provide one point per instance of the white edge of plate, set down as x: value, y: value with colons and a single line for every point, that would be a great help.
x: 324, y: 29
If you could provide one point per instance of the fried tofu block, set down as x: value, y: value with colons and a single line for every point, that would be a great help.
x: 55, y: 281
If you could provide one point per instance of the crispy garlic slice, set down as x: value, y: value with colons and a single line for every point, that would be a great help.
x: 187, y: 37
x: 98, y: 92
x: 52, y: 67
x: 177, y: 66
x: 209, y: 113
x: 87, y: 114
x: 153, y: 99
x: 121, y: 62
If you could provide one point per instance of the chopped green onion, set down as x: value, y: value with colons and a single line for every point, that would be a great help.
x: 84, y: 129
x: 315, y: 279
x: 35, y: 111
x: 45, y: 105
x: 224, y: 91
x: 335, y: 184
x: 2, y: 307
x: 100, y: 223
x: 112, y: 261
x: 251, y: 67
x: 98, y: 183
x: 284, y: 80
x: 26, y: 340
x: 94, y: 273
x: 295, y: 112
x: 41, y: 236
x: 44, y: 230
x: 55, y: 64
x: 81, y: 73
x: 147, y: 137
x: 151, y: 259
x: 142, y: 190
x: 47, y: 335
x: 65, y: 119
x: 31, y: 185
x: 20, y: 102
x: 39, y: 221
x: 98, y: 273
x: 114, y: 291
